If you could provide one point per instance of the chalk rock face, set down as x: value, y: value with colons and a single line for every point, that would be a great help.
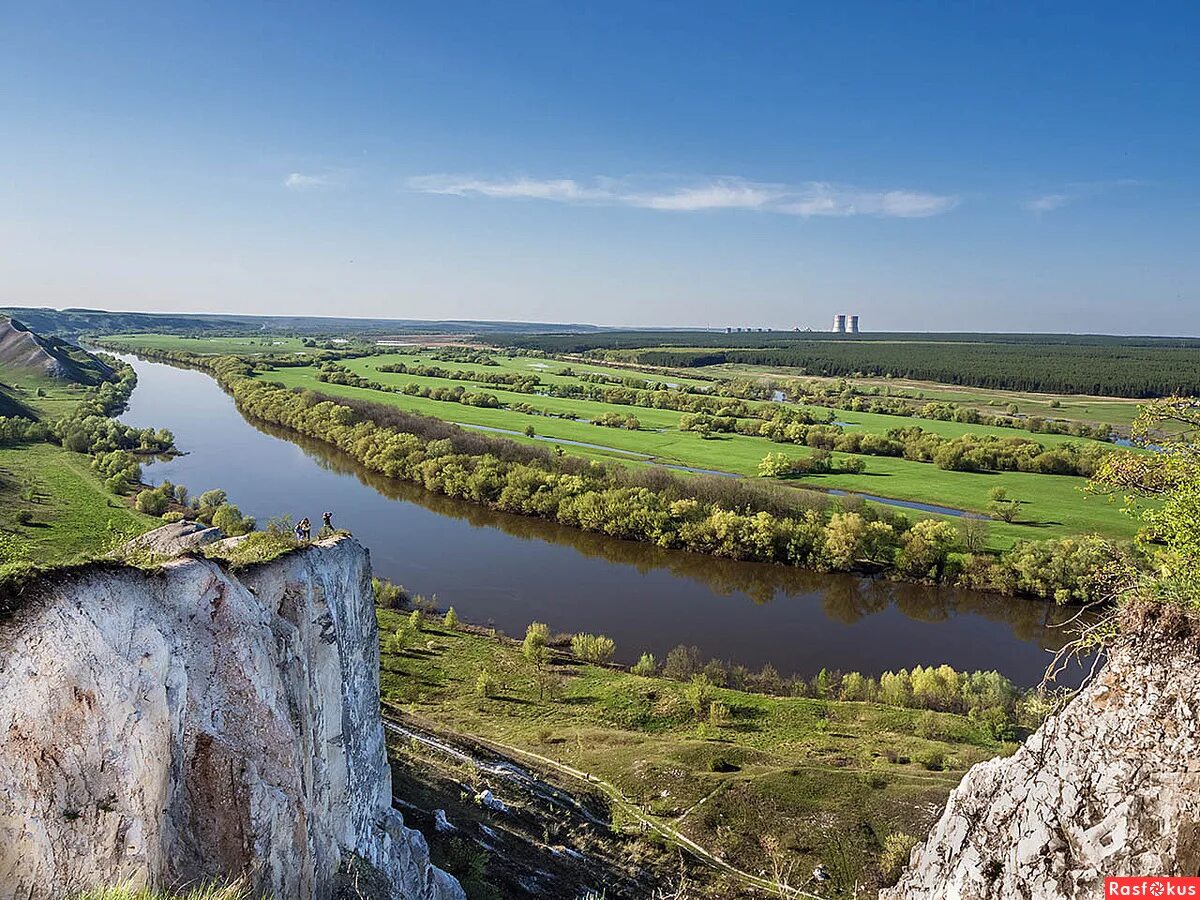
x: 1110, y: 786
x: 183, y: 724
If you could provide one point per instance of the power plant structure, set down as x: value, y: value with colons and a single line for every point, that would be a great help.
x: 845, y: 324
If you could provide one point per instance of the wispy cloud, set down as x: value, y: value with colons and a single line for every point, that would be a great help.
x: 813, y: 198
x: 298, y: 181
x: 1075, y: 192
x: 1046, y: 203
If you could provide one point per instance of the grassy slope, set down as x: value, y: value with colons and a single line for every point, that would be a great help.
x: 805, y: 768
x: 1057, y: 505
x: 58, y: 397
x: 73, y: 516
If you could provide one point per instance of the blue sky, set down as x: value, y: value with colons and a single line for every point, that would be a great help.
x: 929, y: 166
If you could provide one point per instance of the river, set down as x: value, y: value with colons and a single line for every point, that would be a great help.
x: 509, y: 570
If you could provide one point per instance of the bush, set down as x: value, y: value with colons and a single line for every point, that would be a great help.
x: 933, y: 760
x: 645, y: 666
x: 173, y: 515
x: 697, y: 694
x: 230, y: 520
x: 151, y: 502
x: 719, y: 714
x: 387, y: 595
x: 450, y: 622
x: 485, y: 684
x: 897, y: 847
x: 593, y: 648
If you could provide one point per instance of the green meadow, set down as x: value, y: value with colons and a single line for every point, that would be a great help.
x: 1055, y: 505
x: 213, y: 346
x: 56, y: 510
x: 795, y: 768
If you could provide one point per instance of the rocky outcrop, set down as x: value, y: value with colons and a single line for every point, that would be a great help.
x: 1110, y: 786
x: 160, y: 727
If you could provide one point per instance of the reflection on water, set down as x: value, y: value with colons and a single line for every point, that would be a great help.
x: 510, y: 570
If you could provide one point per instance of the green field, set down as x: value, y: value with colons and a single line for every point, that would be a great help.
x: 49, y: 398
x: 213, y: 346
x: 70, y: 516
x: 1056, y: 505
x: 791, y: 767
x: 1115, y: 411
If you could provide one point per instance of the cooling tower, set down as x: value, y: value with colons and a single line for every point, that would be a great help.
x: 839, y: 323
x: 854, y: 324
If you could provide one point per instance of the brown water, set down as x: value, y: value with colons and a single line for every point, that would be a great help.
x: 509, y: 570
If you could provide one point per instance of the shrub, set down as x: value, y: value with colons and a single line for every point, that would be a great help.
x: 933, y: 760
x: 533, y: 648
x: 719, y: 714
x: 697, y: 693
x: 387, y: 595
x: 230, y: 520
x: 173, y: 515
x: 892, y: 861
x: 645, y: 666
x: 151, y: 502
x: 450, y: 622
x: 485, y: 684
x: 593, y: 648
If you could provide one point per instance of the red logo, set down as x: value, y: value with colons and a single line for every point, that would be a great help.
x: 1152, y: 887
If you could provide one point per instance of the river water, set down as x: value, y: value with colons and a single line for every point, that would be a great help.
x: 509, y: 570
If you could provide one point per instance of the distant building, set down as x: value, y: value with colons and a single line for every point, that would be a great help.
x: 839, y: 323
x: 854, y: 324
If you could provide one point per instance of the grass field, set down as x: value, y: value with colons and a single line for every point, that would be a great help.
x: 798, y: 769
x: 70, y: 515
x: 213, y: 346
x: 49, y: 398
x: 1056, y: 505
x: 1115, y: 411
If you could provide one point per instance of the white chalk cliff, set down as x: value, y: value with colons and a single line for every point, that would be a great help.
x: 158, y: 727
x: 1110, y: 786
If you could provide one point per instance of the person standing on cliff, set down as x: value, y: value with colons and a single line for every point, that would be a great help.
x: 327, y: 520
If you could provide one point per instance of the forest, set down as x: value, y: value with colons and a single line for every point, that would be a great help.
x: 1106, y: 366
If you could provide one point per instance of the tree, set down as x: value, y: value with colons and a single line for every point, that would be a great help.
x: 1171, y: 477
x: 698, y: 694
x: 776, y: 465
x: 400, y: 639
x: 645, y: 666
x: 529, y: 431
x: 450, y: 622
x: 414, y: 622
x: 974, y: 533
x: 485, y: 684
x: 682, y: 663
x: 152, y: 502
x: 230, y: 520
x: 596, y: 649
x: 533, y: 648
x: 210, y: 500
x: 927, y: 546
x: 1002, y: 506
